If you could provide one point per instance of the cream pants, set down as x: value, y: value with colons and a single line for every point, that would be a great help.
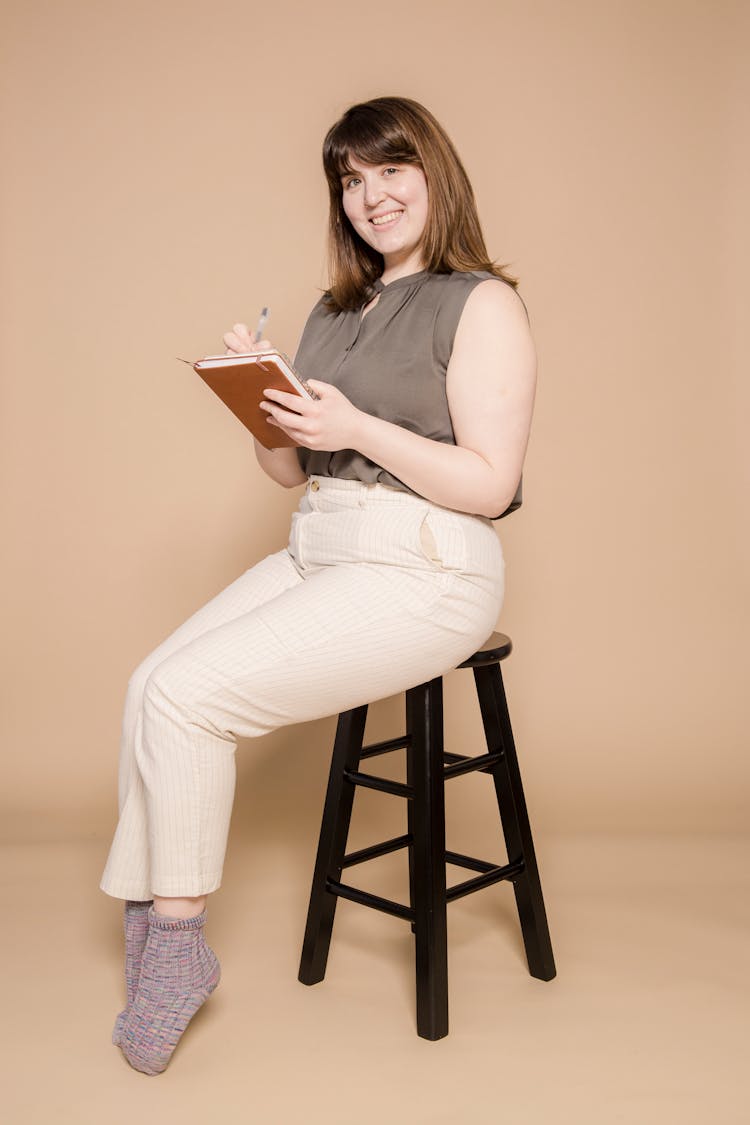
x: 377, y: 590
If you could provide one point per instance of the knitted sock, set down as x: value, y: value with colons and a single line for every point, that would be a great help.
x: 178, y: 974
x: 136, y: 932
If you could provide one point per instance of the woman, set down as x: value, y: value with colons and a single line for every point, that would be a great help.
x: 421, y: 356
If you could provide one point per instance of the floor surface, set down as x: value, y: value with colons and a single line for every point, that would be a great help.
x: 647, y: 1021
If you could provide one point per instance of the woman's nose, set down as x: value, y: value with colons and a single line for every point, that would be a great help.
x: 373, y: 193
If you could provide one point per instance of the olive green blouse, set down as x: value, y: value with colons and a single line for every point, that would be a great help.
x: 390, y: 363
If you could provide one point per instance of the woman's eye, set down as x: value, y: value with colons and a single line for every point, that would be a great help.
x: 352, y: 182
x: 389, y: 170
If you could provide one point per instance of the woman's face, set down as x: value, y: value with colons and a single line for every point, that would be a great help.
x: 387, y: 206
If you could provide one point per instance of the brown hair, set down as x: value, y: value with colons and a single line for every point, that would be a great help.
x: 400, y: 131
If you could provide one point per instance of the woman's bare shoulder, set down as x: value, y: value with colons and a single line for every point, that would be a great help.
x: 494, y: 303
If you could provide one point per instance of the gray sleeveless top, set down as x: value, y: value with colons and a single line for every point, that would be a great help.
x: 391, y: 363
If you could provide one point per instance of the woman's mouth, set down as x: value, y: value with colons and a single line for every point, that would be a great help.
x: 387, y: 220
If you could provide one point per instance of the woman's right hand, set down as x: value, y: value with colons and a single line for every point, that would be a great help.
x: 281, y: 465
x: 241, y: 340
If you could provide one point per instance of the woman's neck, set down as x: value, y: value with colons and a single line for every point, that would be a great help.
x: 394, y: 270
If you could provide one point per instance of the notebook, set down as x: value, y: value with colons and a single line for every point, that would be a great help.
x: 239, y: 381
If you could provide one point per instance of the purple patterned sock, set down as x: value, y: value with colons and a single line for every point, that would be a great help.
x: 178, y: 974
x: 136, y: 932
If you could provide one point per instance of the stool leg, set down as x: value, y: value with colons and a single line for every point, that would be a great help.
x: 424, y: 722
x: 515, y: 821
x: 334, y: 830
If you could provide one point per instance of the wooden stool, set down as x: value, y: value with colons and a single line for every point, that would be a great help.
x: 427, y: 769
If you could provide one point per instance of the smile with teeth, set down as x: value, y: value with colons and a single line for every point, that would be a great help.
x: 380, y: 220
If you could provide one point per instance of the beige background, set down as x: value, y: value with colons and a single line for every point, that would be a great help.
x: 161, y: 180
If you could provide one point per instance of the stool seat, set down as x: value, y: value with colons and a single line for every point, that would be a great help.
x: 428, y: 767
x: 495, y: 648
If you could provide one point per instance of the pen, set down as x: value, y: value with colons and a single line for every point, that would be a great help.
x: 261, y: 325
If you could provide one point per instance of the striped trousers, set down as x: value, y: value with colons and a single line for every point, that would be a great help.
x: 376, y: 591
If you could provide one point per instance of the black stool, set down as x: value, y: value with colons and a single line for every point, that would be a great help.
x: 427, y: 768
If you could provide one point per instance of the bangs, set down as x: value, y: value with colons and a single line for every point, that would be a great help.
x: 369, y: 137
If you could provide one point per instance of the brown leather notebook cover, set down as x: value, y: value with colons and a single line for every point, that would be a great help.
x: 239, y: 381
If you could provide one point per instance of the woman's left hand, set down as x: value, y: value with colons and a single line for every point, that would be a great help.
x: 329, y: 422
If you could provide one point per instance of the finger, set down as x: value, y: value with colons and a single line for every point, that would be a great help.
x: 286, y: 399
x: 243, y: 333
x: 284, y: 417
x: 234, y: 343
x: 290, y: 431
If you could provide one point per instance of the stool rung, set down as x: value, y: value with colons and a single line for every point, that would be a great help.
x: 461, y: 764
x: 387, y: 905
x: 469, y: 861
x: 385, y: 747
x: 369, y: 781
x: 494, y: 875
x: 376, y: 850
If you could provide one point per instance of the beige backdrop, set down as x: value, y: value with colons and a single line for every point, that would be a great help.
x: 161, y: 180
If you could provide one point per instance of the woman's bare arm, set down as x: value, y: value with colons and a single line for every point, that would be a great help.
x: 280, y: 465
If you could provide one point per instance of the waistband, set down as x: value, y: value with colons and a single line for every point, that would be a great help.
x: 363, y: 494
x: 339, y: 492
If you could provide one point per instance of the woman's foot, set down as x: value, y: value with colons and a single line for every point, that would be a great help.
x: 136, y: 932
x: 178, y: 974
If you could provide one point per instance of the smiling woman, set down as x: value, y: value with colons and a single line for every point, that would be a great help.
x: 400, y: 134
x: 387, y: 207
x: 422, y: 361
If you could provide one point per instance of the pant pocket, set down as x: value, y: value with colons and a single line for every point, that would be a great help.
x: 427, y: 541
